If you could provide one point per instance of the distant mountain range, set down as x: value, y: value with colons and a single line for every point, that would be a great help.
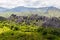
x: 3, y: 9
x: 24, y: 9
x: 44, y: 11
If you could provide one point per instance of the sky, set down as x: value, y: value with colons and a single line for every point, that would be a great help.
x: 29, y: 3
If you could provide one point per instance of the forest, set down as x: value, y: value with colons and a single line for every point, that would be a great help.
x: 32, y: 27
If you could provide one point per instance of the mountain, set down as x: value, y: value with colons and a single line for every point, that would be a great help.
x: 23, y: 9
x: 45, y: 11
x: 3, y: 9
x: 49, y: 8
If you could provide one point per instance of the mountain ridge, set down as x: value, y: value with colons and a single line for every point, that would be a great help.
x: 23, y: 9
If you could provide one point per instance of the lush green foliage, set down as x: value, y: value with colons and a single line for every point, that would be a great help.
x: 13, y: 31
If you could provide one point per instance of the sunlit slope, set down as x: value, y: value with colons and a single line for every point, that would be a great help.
x: 50, y: 13
x: 7, y: 14
x: 54, y: 13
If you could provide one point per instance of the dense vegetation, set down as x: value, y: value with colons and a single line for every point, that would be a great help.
x: 33, y: 27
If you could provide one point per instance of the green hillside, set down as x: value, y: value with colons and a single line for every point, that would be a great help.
x: 29, y: 28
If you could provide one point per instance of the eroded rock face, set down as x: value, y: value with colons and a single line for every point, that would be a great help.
x: 46, y: 21
x: 52, y: 22
x: 19, y: 20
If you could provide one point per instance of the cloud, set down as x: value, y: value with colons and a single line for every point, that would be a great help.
x: 29, y: 3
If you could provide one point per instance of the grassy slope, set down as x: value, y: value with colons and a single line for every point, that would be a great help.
x: 50, y: 13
